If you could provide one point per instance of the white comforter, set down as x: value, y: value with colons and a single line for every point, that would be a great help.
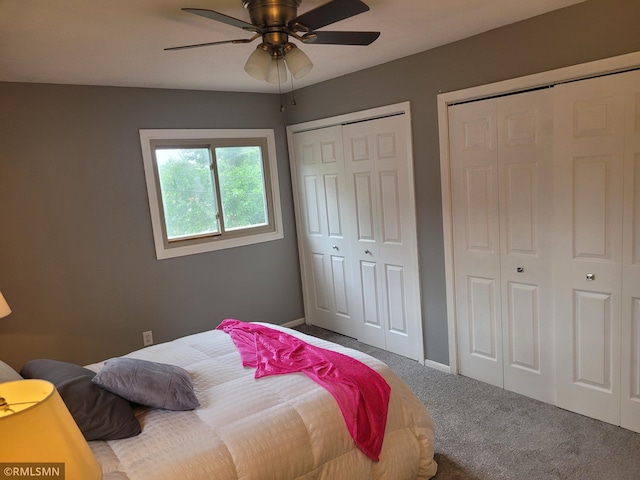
x: 283, y: 427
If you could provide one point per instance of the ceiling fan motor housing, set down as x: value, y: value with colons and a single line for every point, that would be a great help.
x: 272, y: 13
x: 272, y: 18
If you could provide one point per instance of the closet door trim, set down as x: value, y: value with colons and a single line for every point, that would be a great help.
x: 539, y: 80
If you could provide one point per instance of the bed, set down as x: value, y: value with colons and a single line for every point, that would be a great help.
x: 278, y: 427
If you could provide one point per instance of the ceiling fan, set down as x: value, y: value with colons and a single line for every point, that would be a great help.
x: 275, y: 21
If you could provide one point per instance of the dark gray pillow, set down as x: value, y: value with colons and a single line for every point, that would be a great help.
x: 156, y: 385
x: 100, y: 414
x: 8, y: 374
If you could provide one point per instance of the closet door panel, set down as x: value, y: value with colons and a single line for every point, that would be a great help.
x: 525, y: 159
x: 391, y: 208
x: 370, y: 298
x: 396, y: 294
x: 589, y: 120
x: 478, y: 191
x: 361, y: 176
x: 593, y: 206
x: 592, y: 329
x: 524, y: 326
x: 365, y: 207
x: 321, y: 191
x: 482, y: 318
x: 476, y: 236
x: 378, y: 165
x: 319, y: 275
x: 521, y: 208
x: 333, y: 203
x: 311, y: 194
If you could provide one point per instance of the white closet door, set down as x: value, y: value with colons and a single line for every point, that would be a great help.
x: 589, y: 133
x: 476, y: 238
x: 630, y: 401
x: 525, y: 159
x: 379, y: 169
x: 324, y: 215
x: 502, y: 204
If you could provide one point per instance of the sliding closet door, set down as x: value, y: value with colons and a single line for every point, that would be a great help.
x: 502, y: 205
x: 324, y: 215
x: 589, y: 122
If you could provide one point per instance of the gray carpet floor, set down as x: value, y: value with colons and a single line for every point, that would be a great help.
x: 486, y: 433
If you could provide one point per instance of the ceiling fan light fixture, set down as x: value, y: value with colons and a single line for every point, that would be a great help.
x: 277, y: 71
x: 259, y: 62
x: 297, y: 61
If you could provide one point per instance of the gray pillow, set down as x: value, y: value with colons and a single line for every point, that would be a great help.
x: 100, y: 414
x: 156, y: 385
x: 8, y: 374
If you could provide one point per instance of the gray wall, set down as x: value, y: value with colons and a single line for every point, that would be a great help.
x: 581, y: 33
x: 77, y: 259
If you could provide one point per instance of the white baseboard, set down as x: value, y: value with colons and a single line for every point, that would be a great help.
x: 438, y: 366
x: 294, y: 323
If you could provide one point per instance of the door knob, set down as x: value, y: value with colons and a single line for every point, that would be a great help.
x: 591, y: 277
x: 519, y: 269
x: 335, y: 247
x: 367, y: 252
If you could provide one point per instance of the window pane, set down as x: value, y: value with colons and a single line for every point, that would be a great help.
x: 242, y: 190
x: 187, y: 192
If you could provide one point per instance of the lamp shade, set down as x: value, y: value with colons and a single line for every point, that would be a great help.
x: 258, y: 63
x: 4, y: 307
x: 277, y: 72
x: 298, y: 62
x: 37, y: 428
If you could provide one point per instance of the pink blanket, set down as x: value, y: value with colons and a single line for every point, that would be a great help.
x: 361, y: 393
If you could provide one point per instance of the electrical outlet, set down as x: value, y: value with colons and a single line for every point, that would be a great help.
x: 147, y: 338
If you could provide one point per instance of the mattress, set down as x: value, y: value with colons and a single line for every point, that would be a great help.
x: 273, y: 428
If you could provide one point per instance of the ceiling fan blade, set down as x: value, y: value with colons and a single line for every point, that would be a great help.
x: 242, y: 40
x: 342, y: 38
x: 220, y: 17
x: 329, y: 13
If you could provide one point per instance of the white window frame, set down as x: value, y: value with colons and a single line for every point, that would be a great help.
x: 176, y: 249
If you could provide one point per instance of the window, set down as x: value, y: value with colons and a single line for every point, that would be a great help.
x: 211, y: 189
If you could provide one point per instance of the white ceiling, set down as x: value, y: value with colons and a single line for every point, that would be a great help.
x: 121, y: 42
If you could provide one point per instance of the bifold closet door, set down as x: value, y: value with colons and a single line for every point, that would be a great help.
x: 324, y: 216
x: 598, y: 314
x: 476, y: 239
x: 525, y: 154
x: 355, y: 208
x: 379, y: 167
x: 502, y: 203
